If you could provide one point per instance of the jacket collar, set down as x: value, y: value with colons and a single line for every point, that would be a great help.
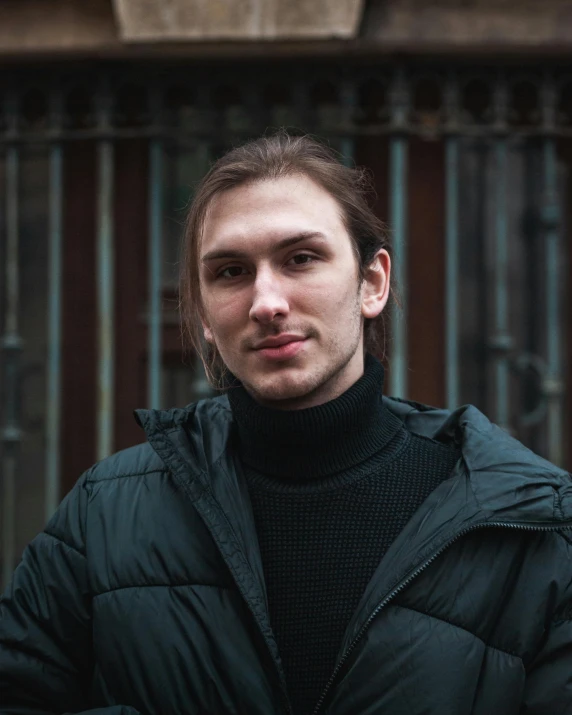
x: 506, y: 481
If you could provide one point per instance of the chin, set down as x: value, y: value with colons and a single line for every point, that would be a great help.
x: 283, y: 390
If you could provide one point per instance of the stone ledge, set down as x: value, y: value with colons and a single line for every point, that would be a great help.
x: 32, y: 29
x: 168, y: 20
x: 470, y: 23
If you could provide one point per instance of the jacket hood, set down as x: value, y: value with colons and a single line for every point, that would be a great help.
x: 508, y: 480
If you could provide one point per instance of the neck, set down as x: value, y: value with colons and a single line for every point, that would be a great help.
x: 319, y: 440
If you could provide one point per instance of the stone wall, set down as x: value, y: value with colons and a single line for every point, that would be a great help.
x: 478, y: 24
x: 120, y: 28
x: 57, y: 27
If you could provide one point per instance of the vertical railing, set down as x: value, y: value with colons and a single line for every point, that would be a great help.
x: 399, y: 98
x: 347, y: 143
x: 105, y: 277
x: 200, y: 386
x: 452, y: 244
x: 501, y: 341
x: 155, y: 260
x: 453, y: 130
x: 553, y: 387
x: 11, y: 345
x: 55, y: 275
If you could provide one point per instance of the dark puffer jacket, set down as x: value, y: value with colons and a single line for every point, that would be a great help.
x: 145, y: 592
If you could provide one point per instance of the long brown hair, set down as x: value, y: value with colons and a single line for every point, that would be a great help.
x: 272, y: 157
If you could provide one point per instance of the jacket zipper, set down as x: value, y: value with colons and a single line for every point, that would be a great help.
x: 406, y: 583
x: 282, y: 681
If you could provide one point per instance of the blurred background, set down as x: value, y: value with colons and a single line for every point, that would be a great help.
x: 112, y: 110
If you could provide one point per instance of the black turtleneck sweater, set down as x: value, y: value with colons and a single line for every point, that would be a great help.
x: 331, y: 487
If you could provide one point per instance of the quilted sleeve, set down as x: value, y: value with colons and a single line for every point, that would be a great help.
x: 548, y: 689
x: 45, y: 621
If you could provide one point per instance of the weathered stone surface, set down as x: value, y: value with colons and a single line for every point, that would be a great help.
x: 175, y: 27
x: 52, y: 26
x: 469, y: 23
x: 160, y: 20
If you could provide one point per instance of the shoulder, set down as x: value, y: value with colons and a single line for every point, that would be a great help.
x: 134, y: 461
x: 198, y: 421
x: 505, y: 476
x: 207, y: 413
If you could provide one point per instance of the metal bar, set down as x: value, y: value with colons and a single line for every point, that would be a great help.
x: 398, y: 157
x: 105, y: 284
x: 11, y: 346
x: 188, y: 137
x: 452, y: 248
x: 452, y: 272
x: 53, y: 397
x: 200, y: 385
x: 553, y: 386
x: 155, y: 273
x: 347, y: 151
x: 502, y: 340
x: 347, y: 142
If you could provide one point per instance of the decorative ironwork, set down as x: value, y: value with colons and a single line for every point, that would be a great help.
x: 156, y: 184
x: 105, y: 274
x: 452, y: 242
x: 11, y: 346
x: 203, y: 110
x: 398, y: 161
x: 54, y: 369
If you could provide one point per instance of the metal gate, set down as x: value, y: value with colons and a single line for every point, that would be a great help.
x: 505, y: 185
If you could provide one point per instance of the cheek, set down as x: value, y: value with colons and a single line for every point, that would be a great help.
x: 330, y: 299
x: 225, y: 313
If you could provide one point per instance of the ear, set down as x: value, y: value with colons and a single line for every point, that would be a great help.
x: 375, y: 286
x: 207, y: 332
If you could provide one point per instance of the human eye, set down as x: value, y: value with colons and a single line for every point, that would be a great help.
x: 301, y: 259
x: 231, y: 272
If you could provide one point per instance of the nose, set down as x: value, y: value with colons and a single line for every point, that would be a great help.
x: 268, y: 300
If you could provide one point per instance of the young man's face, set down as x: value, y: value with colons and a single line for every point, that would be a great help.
x: 281, y: 295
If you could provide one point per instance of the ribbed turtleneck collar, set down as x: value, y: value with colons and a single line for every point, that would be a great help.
x: 317, y: 441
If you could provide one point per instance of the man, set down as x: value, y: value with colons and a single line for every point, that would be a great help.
x: 300, y: 544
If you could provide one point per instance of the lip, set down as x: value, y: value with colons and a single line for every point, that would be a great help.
x: 278, y: 341
x: 282, y: 347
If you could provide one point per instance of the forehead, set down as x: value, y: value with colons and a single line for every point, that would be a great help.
x: 271, y: 208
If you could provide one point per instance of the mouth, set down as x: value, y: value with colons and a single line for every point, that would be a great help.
x: 281, y: 347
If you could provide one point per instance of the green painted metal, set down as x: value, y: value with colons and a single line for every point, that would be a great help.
x: 553, y: 387
x: 105, y: 284
x: 502, y: 342
x: 452, y: 295
x: 194, y: 168
x: 398, y: 221
x: 55, y: 282
x: 11, y: 347
x: 398, y: 160
x: 155, y: 271
x: 347, y: 142
x: 452, y: 272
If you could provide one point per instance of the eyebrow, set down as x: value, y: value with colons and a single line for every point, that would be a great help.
x: 284, y: 243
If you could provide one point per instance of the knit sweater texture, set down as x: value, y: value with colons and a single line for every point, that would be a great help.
x: 331, y: 488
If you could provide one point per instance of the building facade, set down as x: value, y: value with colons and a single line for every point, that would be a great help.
x: 112, y: 111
